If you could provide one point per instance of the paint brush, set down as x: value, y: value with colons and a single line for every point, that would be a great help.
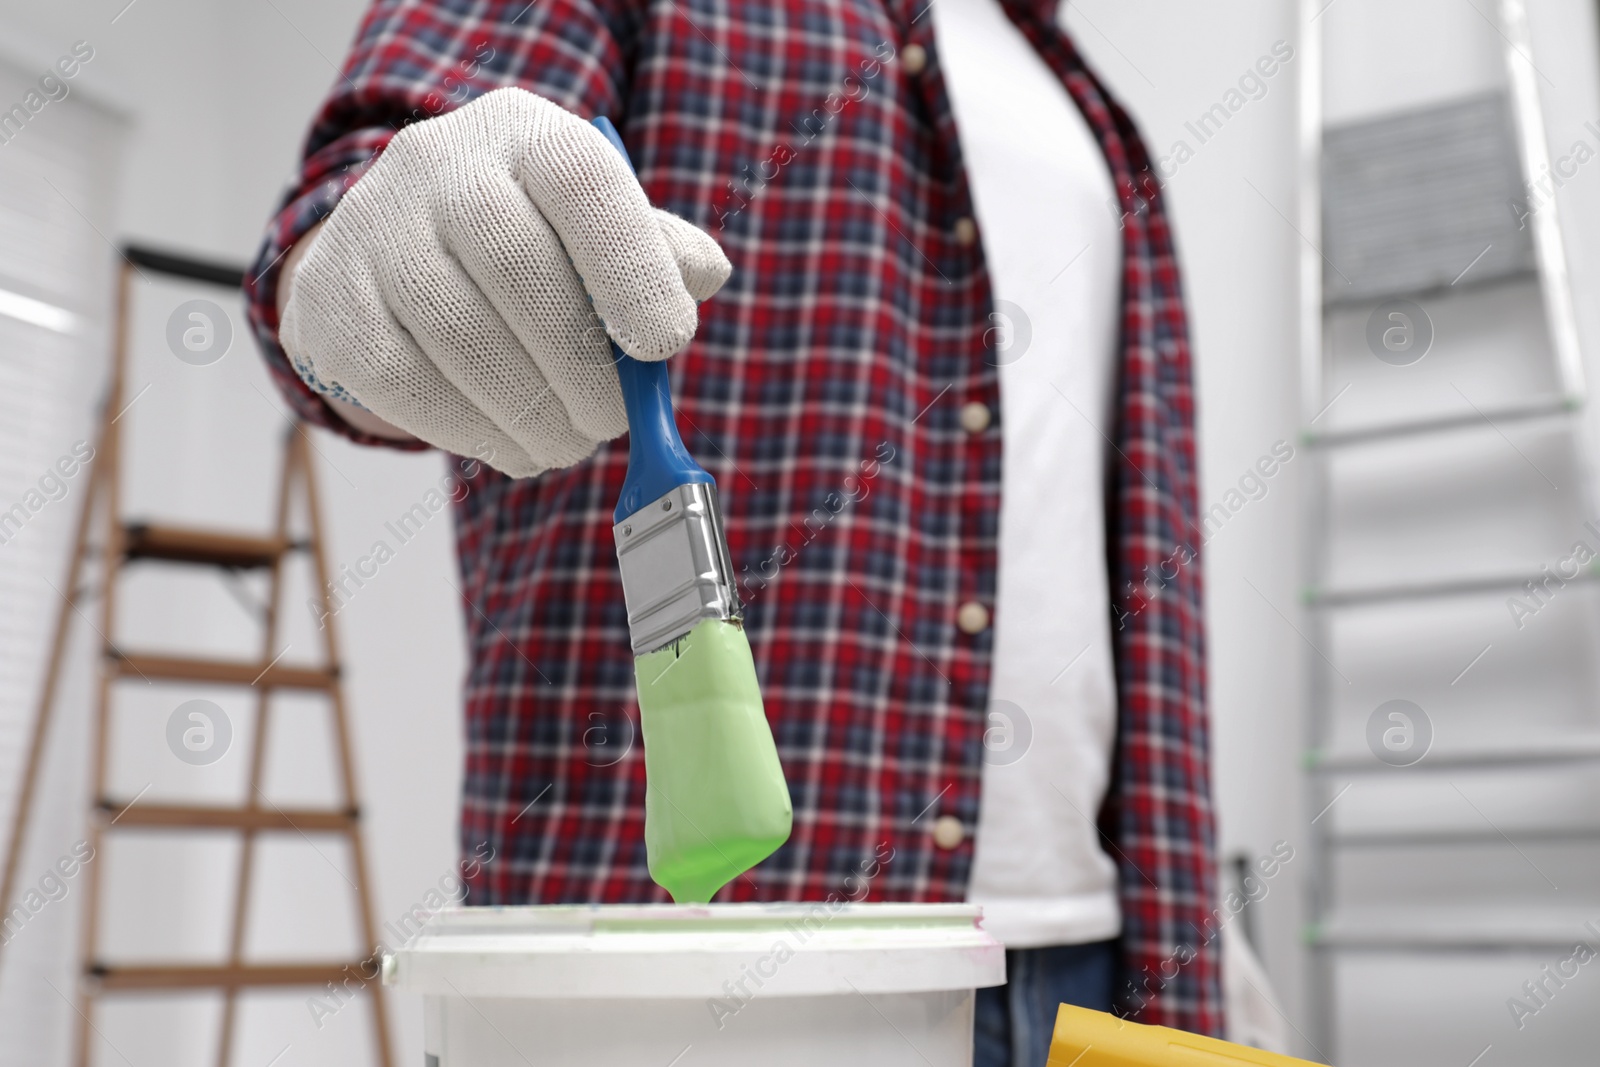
x: 716, y: 803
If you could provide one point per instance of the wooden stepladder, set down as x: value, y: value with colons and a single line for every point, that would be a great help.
x: 103, y: 535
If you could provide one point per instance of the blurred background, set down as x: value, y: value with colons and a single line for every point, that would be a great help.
x: 1388, y: 245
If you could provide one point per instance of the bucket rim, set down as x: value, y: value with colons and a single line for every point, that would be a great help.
x: 567, y: 951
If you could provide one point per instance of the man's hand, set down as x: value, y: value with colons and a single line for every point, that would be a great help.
x: 449, y: 292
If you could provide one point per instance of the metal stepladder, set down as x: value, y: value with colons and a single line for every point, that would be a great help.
x: 1393, y: 208
x: 103, y: 533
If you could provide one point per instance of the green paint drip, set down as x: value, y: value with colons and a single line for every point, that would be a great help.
x: 716, y: 803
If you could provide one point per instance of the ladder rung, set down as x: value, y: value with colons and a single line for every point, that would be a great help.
x: 1556, y: 750
x: 208, y: 547
x: 1356, y: 596
x: 1540, y: 408
x: 1418, y: 929
x: 1461, y: 835
x: 222, y: 672
x: 188, y: 816
x: 1345, y: 301
x: 135, y: 978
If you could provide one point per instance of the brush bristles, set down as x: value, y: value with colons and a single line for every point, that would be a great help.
x: 716, y: 802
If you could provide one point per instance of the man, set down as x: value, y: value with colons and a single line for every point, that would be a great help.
x: 945, y: 391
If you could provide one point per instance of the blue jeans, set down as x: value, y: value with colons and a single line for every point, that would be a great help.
x: 1014, y: 1021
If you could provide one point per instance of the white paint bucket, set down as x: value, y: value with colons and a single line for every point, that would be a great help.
x: 780, y: 985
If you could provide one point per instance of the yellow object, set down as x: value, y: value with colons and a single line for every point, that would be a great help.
x: 1085, y: 1038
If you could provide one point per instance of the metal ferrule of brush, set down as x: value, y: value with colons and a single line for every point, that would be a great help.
x: 675, y: 568
x: 671, y: 548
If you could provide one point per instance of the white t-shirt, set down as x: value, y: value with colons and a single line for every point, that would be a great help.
x: 1042, y: 193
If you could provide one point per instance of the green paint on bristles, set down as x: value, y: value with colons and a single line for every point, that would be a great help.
x: 716, y: 803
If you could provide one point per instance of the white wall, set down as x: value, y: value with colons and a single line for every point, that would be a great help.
x: 217, y: 97
x: 47, y: 178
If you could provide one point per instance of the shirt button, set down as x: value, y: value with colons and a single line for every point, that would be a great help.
x: 966, y: 231
x: 948, y: 832
x: 972, y: 617
x: 915, y: 58
x: 975, y: 417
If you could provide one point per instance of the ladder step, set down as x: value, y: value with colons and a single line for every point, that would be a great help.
x: 222, y: 672
x: 1457, y: 929
x: 1357, y: 596
x: 1576, y: 748
x: 1462, y: 835
x: 189, y: 816
x: 1420, y: 293
x: 1526, y: 411
x: 138, y: 978
x: 208, y: 547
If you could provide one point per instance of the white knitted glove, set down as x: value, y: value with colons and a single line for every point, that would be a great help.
x: 449, y: 292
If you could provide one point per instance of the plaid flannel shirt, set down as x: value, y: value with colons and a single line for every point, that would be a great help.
x: 823, y: 392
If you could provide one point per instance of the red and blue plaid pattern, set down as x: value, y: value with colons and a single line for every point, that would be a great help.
x: 823, y: 392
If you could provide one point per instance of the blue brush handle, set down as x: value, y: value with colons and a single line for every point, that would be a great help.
x: 657, y: 460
